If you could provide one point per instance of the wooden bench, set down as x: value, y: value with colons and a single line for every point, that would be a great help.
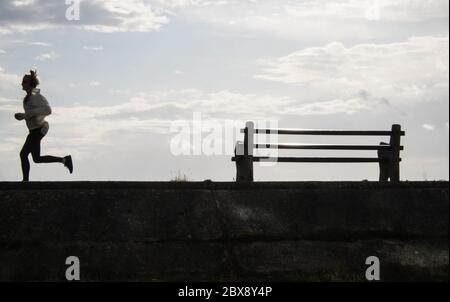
x: 388, y: 154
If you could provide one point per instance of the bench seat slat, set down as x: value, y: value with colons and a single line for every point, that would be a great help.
x: 318, y: 159
x: 315, y: 159
x: 323, y: 147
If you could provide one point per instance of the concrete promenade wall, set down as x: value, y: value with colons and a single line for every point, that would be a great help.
x: 299, y: 231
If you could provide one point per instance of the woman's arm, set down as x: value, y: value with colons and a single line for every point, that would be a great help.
x: 38, y: 111
x: 42, y: 109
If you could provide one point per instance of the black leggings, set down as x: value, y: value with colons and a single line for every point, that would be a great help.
x: 33, y: 145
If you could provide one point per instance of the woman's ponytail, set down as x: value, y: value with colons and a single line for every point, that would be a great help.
x: 34, y: 80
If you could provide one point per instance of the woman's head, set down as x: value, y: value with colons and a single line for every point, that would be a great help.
x: 30, y: 81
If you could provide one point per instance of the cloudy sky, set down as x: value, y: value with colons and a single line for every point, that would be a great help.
x: 126, y: 80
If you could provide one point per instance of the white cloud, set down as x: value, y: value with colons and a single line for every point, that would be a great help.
x: 33, y: 43
x: 391, y: 10
x: 22, y: 2
x: 429, y: 127
x: 124, y: 16
x: 93, y: 48
x: 187, y: 3
x: 94, y: 83
x: 8, y: 80
x: 411, y: 71
x: 24, y: 27
x: 349, y: 106
x: 284, y: 17
x: 397, y: 10
x: 225, y: 104
x: 43, y: 44
x: 6, y: 101
x: 95, y: 15
x: 154, y: 111
x: 2, y: 51
x: 47, y: 56
x: 313, y: 19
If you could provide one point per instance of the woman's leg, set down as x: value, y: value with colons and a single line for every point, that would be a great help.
x: 36, y: 150
x: 26, y: 150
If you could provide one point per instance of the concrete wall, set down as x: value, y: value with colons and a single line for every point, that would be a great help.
x: 224, y: 231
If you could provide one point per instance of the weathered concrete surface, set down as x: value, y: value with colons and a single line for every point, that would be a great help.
x: 224, y: 231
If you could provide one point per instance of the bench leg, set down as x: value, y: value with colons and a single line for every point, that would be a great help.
x: 385, y: 163
x: 395, y: 157
x: 384, y: 172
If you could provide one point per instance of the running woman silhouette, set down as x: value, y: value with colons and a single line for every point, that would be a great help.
x: 36, y: 109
